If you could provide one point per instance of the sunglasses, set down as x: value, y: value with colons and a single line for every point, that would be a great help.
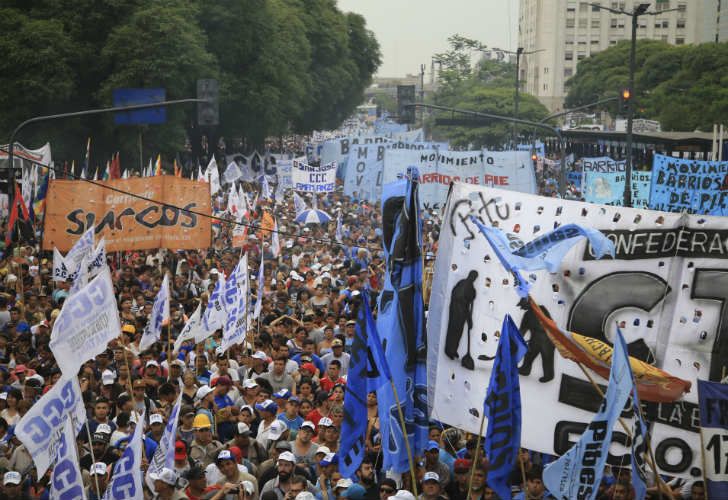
x: 386, y: 490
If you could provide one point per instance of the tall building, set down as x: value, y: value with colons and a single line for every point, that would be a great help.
x: 557, y: 34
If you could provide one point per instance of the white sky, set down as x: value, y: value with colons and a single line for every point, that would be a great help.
x: 411, y: 31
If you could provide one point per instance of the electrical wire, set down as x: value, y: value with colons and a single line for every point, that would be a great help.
x: 209, y: 216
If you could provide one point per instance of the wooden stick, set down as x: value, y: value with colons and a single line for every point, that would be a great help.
x: 475, y: 458
x: 406, y: 438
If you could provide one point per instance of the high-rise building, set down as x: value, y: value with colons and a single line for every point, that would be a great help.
x: 556, y: 34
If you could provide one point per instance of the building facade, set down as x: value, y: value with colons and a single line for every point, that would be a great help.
x: 557, y: 34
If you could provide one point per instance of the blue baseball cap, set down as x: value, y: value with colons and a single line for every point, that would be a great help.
x: 432, y: 445
x: 267, y: 405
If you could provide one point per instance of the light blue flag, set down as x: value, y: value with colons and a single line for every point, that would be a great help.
x: 545, y: 252
x: 126, y: 481
x: 639, y: 434
x: 502, y: 406
x: 66, y: 480
x: 160, y: 312
x: 578, y: 473
x: 368, y: 371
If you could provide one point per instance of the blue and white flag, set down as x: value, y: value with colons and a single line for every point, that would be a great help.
x: 88, y: 321
x: 402, y: 323
x: 126, y: 480
x: 502, y: 406
x: 164, y: 456
x: 264, y: 187
x: 368, y: 371
x: 160, y: 313
x: 97, y: 260
x: 578, y: 473
x: 713, y: 402
x: 215, y: 313
x: 80, y: 277
x: 259, y: 298
x: 545, y: 252
x: 236, y: 303
x: 66, y: 480
x: 275, y: 240
x: 298, y: 204
x: 192, y: 329
x: 339, y: 229
x: 63, y: 267
x: 41, y: 427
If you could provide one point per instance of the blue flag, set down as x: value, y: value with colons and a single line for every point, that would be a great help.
x: 639, y: 434
x: 368, y: 371
x: 713, y: 402
x: 126, y: 479
x: 503, y: 408
x: 545, y: 252
x: 578, y: 472
x: 401, y: 320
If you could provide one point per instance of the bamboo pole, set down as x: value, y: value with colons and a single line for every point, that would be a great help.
x: 475, y: 458
x: 406, y: 438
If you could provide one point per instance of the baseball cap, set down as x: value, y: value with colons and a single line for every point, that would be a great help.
x: 325, y: 422
x: 128, y: 329
x: 156, y: 418
x: 260, y: 355
x: 243, y: 428
x: 20, y: 369
x: 225, y: 455
x: 287, y: 456
x: 220, y: 352
x: 107, y: 378
x: 403, y: 495
x: 323, y: 449
x: 283, y: 445
x: 99, y: 468
x: 432, y: 445
x: 305, y: 495
x: 343, y: 483
x: 276, y: 429
x: 431, y: 476
x: 103, y: 429
x: 462, y: 465
x: 309, y: 425
x: 267, y: 405
x: 151, y: 362
x: 309, y: 366
x: 250, y: 384
x: 329, y: 458
x: 12, y: 477
x: 167, y: 476
x: 337, y: 343
x: 355, y: 492
x: 282, y: 394
x: 100, y: 437
x: 202, y: 392
x: 180, y: 450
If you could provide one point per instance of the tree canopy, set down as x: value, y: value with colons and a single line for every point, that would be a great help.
x: 283, y: 66
x: 486, y: 87
x: 685, y: 87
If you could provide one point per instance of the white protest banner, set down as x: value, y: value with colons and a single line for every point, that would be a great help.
x: 337, y: 150
x: 236, y: 303
x: 67, y: 481
x: 284, y: 180
x: 512, y: 170
x: 164, y: 455
x: 160, y: 313
x: 126, y: 479
x: 192, y: 329
x: 40, y: 156
x: 212, y: 175
x: 665, y: 289
x: 88, y: 321
x: 603, y: 164
x: 364, y: 172
x: 41, y: 427
x: 313, y: 178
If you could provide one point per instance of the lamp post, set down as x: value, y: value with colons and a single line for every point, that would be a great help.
x: 637, y: 11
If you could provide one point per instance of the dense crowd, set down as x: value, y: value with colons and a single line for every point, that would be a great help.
x: 261, y: 420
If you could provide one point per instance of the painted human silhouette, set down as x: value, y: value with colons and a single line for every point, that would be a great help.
x: 539, y: 343
x: 461, y: 313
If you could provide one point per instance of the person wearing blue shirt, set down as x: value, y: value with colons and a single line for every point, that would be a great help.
x: 152, y: 438
x: 225, y: 429
x: 291, y: 417
x: 535, y: 489
x: 308, y: 352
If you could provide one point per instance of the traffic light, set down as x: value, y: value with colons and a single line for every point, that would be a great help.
x: 625, y: 101
x: 405, y: 97
x: 208, y: 112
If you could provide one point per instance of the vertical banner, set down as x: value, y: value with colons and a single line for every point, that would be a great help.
x: 364, y: 172
x: 713, y: 402
x: 699, y: 187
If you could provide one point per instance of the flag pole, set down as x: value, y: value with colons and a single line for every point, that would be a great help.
x: 475, y: 458
x: 406, y: 437
x: 90, y: 444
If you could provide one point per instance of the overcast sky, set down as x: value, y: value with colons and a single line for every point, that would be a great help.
x: 411, y: 31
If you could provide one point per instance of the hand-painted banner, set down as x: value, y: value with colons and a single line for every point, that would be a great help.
x: 40, y: 156
x: 338, y: 150
x: 511, y: 170
x: 713, y: 399
x: 127, y: 222
x: 364, y: 172
x: 696, y: 187
x: 663, y: 288
x: 88, y: 321
x: 313, y: 178
x: 603, y: 164
x: 607, y: 188
x: 40, y: 429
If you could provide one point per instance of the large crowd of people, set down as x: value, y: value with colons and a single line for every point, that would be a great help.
x: 261, y: 420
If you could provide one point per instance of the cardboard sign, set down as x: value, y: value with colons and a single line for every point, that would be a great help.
x: 666, y: 289
x: 697, y: 187
x: 127, y: 222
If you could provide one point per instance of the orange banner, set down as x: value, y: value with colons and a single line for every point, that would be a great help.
x: 653, y: 384
x: 127, y: 222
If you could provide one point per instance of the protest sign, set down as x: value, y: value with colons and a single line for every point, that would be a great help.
x: 696, y: 187
x: 664, y: 289
x: 41, y: 427
x: 337, y: 150
x: 88, y: 321
x: 125, y: 221
x: 313, y: 178
x: 603, y: 164
x: 713, y: 399
x: 512, y: 170
x: 364, y: 170
x: 40, y: 156
x: 607, y: 188
x: 641, y: 185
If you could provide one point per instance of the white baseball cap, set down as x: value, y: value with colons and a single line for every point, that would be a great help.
x: 305, y: 495
x: 202, y: 392
x: 103, y: 428
x: 98, y: 468
x: 287, y: 456
x: 108, y: 377
x: 155, y: 418
x: 250, y: 384
x: 323, y: 449
x: 403, y: 495
x: 260, y: 355
x: 343, y: 483
x: 12, y: 477
x: 276, y: 430
x: 167, y: 476
x: 431, y: 476
x: 325, y: 422
x: 151, y: 362
x: 309, y: 425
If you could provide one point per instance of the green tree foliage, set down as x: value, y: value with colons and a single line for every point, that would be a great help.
x: 487, y: 87
x: 684, y: 87
x: 283, y: 65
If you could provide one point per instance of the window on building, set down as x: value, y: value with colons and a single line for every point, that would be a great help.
x: 681, y: 23
x: 568, y: 72
x: 568, y: 56
x: 579, y: 57
x: 583, y: 7
x: 612, y: 23
x: 595, y: 23
x: 681, y: 7
x: 612, y: 42
x: 594, y: 42
x: 545, y: 86
x: 570, y: 23
x: 595, y: 6
x: 583, y: 23
x: 662, y: 5
x: 545, y: 71
x: 679, y: 41
x: 664, y: 38
x: 570, y: 10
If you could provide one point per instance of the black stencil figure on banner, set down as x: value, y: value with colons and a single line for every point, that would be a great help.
x: 538, y: 344
x: 461, y: 312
